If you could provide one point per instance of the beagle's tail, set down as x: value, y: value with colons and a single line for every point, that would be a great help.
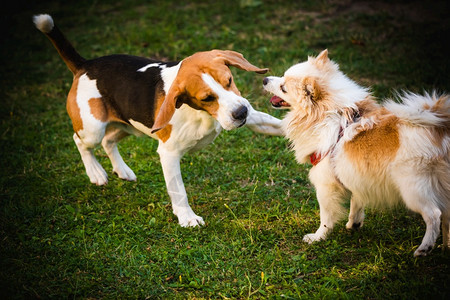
x: 70, y: 56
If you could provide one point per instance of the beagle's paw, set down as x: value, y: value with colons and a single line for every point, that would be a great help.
x: 193, y: 222
x: 124, y: 172
x: 97, y: 175
x: 423, y: 250
x: 190, y: 219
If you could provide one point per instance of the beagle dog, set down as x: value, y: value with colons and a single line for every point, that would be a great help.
x: 184, y: 105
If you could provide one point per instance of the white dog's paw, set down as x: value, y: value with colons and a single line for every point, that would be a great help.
x: 311, y: 238
x: 353, y: 225
x: 97, y: 175
x: 124, y: 172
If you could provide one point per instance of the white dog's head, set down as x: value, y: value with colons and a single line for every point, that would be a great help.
x: 313, y: 84
x: 301, y: 84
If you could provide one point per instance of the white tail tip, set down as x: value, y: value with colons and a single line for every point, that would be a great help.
x: 43, y: 22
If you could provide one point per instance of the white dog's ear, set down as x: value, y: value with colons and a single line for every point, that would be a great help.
x: 307, y: 88
x: 311, y: 89
x: 322, y: 58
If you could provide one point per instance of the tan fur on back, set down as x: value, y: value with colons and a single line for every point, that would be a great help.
x: 372, y: 149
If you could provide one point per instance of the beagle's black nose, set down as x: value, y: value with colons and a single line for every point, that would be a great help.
x: 240, y: 113
x: 265, y: 80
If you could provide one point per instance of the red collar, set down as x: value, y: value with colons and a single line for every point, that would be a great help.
x: 315, y: 158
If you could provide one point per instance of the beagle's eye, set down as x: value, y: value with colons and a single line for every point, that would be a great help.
x: 210, y: 98
x: 230, y: 81
x: 283, y: 89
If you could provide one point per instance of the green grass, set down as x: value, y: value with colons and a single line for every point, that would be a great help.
x: 61, y: 237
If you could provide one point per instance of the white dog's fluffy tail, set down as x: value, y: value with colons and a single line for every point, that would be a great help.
x: 429, y: 110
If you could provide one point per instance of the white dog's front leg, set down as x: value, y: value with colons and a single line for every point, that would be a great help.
x: 263, y: 123
x: 330, y: 194
x: 170, y: 163
x: 356, y: 216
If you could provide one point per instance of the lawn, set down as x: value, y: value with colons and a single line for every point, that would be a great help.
x: 62, y: 237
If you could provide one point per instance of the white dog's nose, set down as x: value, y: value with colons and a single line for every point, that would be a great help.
x: 265, y: 80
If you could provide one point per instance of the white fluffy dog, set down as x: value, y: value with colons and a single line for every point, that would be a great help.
x: 378, y: 155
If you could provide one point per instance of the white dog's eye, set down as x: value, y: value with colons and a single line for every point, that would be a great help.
x: 283, y: 89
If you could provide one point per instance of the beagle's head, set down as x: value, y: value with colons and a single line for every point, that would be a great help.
x: 204, y: 82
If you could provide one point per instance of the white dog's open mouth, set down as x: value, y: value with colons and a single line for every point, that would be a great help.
x: 277, y: 102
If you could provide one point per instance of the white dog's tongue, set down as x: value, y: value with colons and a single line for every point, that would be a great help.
x: 278, y: 102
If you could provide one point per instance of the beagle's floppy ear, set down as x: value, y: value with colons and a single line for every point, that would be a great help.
x: 236, y: 59
x: 167, y: 108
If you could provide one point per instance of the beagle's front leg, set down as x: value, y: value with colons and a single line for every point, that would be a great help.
x: 263, y: 123
x: 170, y: 162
